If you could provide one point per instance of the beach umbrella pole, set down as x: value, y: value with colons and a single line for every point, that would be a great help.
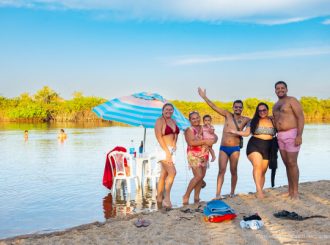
x: 144, y: 140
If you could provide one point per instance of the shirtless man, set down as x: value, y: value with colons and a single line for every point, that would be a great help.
x: 289, y: 122
x: 229, y: 149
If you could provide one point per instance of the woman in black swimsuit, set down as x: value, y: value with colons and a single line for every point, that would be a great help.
x: 258, y: 148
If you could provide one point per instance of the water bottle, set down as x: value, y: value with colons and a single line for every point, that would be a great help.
x: 132, y: 149
x: 141, y: 149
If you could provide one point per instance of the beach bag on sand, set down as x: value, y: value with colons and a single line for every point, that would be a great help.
x: 218, y: 211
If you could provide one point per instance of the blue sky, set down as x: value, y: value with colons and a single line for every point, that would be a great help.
x: 113, y: 48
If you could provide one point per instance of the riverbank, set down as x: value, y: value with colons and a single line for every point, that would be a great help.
x: 176, y: 227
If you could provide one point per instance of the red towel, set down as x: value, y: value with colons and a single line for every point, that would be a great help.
x: 107, y: 176
x: 220, y: 218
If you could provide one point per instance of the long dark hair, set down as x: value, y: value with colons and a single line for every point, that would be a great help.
x: 256, y: 117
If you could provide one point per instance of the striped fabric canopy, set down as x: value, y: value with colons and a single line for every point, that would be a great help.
x: 141, y: 109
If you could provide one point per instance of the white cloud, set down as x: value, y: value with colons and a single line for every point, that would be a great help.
x: 290, y: 53
x: 256, y: 11
x: 326, y: 22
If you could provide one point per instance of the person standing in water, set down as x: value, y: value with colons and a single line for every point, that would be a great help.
x: 62, y: 135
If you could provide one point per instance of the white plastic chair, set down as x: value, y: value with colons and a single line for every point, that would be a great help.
x: 152, y: 171
x: 119, y: 160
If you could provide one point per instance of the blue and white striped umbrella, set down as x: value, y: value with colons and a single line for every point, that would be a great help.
x: 140, y: 109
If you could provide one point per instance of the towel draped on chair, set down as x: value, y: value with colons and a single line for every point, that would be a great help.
x: 108, y: 175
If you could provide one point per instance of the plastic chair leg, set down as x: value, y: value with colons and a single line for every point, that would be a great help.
x: 137, y: 186
x: 154, y: 180
x: 128, y: 183
x: 137, y: 183
x: 113, y: 189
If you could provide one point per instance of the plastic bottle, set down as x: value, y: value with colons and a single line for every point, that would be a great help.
x: 132, y: 149
x: 141, y: 149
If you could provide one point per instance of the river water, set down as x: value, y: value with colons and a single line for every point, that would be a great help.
x: 47, y: 185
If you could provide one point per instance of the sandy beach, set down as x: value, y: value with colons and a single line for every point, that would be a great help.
x: 177, y: 227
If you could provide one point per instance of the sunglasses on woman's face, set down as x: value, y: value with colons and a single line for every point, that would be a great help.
x: 263, y: 110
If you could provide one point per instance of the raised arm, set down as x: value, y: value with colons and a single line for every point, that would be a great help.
x: 299, y: 114
x: 222, y: 112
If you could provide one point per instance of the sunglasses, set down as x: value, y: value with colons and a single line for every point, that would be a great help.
x: 263, y: 110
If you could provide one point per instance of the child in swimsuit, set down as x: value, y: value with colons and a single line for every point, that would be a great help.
x: 208, y: 134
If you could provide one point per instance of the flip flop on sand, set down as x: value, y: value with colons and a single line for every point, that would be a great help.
x: 187, y: 211
x: 146, y: 223
x: 199, y: 209
x: 284, y: 214
x: 184, y: 217
x: 138, y: 223
x: 142, y: 223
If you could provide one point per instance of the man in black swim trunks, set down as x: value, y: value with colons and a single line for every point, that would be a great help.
x: 229, y: 149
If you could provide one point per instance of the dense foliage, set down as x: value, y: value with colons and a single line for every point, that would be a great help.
x: 46, y: 105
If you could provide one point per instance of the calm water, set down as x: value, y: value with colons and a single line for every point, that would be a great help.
x: 46, y: 185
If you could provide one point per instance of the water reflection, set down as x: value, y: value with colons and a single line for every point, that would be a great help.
x: 145, y: 198
x: 122, y: 205
x: 119, y: 208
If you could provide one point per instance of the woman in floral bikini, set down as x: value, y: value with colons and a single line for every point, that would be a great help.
x: 197, y: 158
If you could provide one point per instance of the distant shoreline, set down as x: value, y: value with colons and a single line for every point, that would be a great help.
x: 47, y: 106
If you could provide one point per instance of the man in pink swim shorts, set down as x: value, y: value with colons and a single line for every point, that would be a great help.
x: 289, y: 122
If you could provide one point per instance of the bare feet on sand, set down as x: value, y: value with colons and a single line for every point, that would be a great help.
x: 185, y: 200
x: 260, y: 195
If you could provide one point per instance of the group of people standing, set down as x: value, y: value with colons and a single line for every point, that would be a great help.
x: 287, y: 122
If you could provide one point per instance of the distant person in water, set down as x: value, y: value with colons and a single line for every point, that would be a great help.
x: 26, y: 135
x: 289, y: 122
x: 62, y: 135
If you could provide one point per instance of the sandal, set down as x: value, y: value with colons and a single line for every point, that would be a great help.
x: 187, y: 211
x: 199, y: 209
x: 288, y: 215
x: 184, y: 217
x: 146, y: 223
x: 138, y: 223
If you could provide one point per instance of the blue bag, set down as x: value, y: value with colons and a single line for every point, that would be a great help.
x: 217, y: 208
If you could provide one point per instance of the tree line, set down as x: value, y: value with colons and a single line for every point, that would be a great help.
x: 46, y: 105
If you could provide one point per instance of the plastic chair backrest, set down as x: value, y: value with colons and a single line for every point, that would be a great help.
x: 118, y: 158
